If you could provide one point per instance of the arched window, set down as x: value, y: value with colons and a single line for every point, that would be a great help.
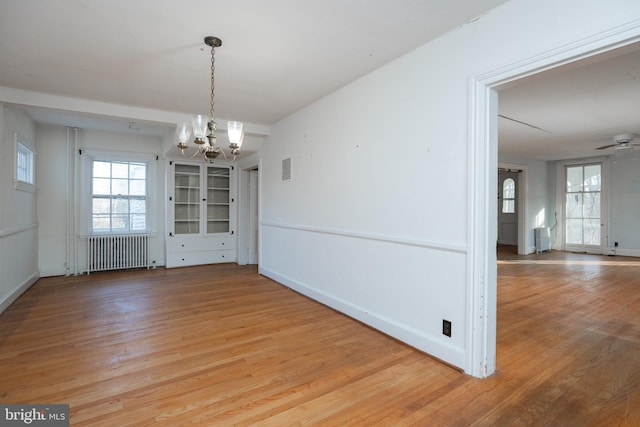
x: 509, y: 196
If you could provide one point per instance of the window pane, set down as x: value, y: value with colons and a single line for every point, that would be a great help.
x: 574, y: 205
x: 574, y: 231
x: 120, y: 223
x: 138, y: 222
x: 120, y: 170
x: 24, y: 164
x: 120, y: 206
x: 592, y: 232
x: 101, y: 205
x: 574, y: 179
x: 101, y: 223
x: 101, y: 186
x: 138, y: 206
x: 137, y: 187
x: 120, y: 187
x: 137, y: 171
x: 509, y: 189
x: 508, y: 206
x: 101, y: 169
x: 592, y: 181
x: 591, y: 206
x: 21, y: 172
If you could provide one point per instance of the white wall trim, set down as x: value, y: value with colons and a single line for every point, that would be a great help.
x: 400, y: 331
x: 16, y: 230
x: 22, y: 288
x: 624, y: 252
x: 439, y: 246
x: 482, y: 164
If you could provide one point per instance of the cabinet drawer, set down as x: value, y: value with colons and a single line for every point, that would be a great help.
x: 183, y: 259
x: 187, y: 244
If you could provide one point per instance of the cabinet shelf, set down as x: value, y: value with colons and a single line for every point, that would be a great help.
x: 201, y: 199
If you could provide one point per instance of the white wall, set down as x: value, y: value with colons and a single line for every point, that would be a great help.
x: 624, y: 203
x: 18, y: 212
x: 375, y: 221
x: 59, y: 164
x: 54, y: 170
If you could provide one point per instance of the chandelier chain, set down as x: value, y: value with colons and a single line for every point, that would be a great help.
x: 213, y: 68
x: 204, y: 130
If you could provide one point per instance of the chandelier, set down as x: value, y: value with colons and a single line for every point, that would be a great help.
x: 204, y: 127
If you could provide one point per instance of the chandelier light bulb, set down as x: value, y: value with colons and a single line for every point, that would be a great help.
x: 235, y: 134
x: 183, y: 132
x: 200, y: 124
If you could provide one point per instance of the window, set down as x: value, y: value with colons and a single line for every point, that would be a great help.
x: 24, y: 166
x: 582, y: 205
x: 509, y: 196
x: 119, y: 197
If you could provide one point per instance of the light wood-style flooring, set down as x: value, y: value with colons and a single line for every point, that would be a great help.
x: 221, y: 345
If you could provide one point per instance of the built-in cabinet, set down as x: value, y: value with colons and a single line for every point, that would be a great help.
x: 201, y: 212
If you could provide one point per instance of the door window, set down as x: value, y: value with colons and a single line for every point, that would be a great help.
x: 508, y: 196
x: 582, y: 205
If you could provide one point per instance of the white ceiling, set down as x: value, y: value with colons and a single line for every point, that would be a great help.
x: 280, y: 55
x: 277, y: 56
x: 569, y: 111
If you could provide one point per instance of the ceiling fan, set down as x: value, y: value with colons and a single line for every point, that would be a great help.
x: 622, y: 141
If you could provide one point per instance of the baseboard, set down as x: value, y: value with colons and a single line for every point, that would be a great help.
x: 405, y: 333
x: 624, y: 252
x: 4, y: 304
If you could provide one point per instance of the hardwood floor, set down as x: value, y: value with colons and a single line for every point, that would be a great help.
x: 221, y: 345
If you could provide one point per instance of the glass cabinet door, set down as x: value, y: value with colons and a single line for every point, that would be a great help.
x: 217, y: 199
x: 187, y: 199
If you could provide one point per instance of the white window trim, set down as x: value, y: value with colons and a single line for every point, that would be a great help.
x: 87, y: 157
x: 20, y: 144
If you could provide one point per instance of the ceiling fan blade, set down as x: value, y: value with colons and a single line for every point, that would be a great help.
x: 606, y: 146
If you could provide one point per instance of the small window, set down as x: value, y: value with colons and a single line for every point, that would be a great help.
x: 509, y: 196
x: 119, y: 197
x: 24, y: 166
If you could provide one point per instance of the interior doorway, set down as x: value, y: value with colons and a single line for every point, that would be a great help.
x: 249, y: 216
x: 482, y: 284
x: 508, y: 211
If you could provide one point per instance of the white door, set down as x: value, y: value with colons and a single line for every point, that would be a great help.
x: 583, y: 208
x: 508, y: 208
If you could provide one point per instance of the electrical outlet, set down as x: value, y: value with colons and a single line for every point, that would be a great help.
x: 615, y: 244
x: 446, y: 327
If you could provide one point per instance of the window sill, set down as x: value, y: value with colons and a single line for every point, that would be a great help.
x: 24, y: 186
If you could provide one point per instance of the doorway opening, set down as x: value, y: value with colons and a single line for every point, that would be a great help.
x: 512, y: 207
x: 483, y: 163
x: 249, y: 216
x: 583, y: 210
